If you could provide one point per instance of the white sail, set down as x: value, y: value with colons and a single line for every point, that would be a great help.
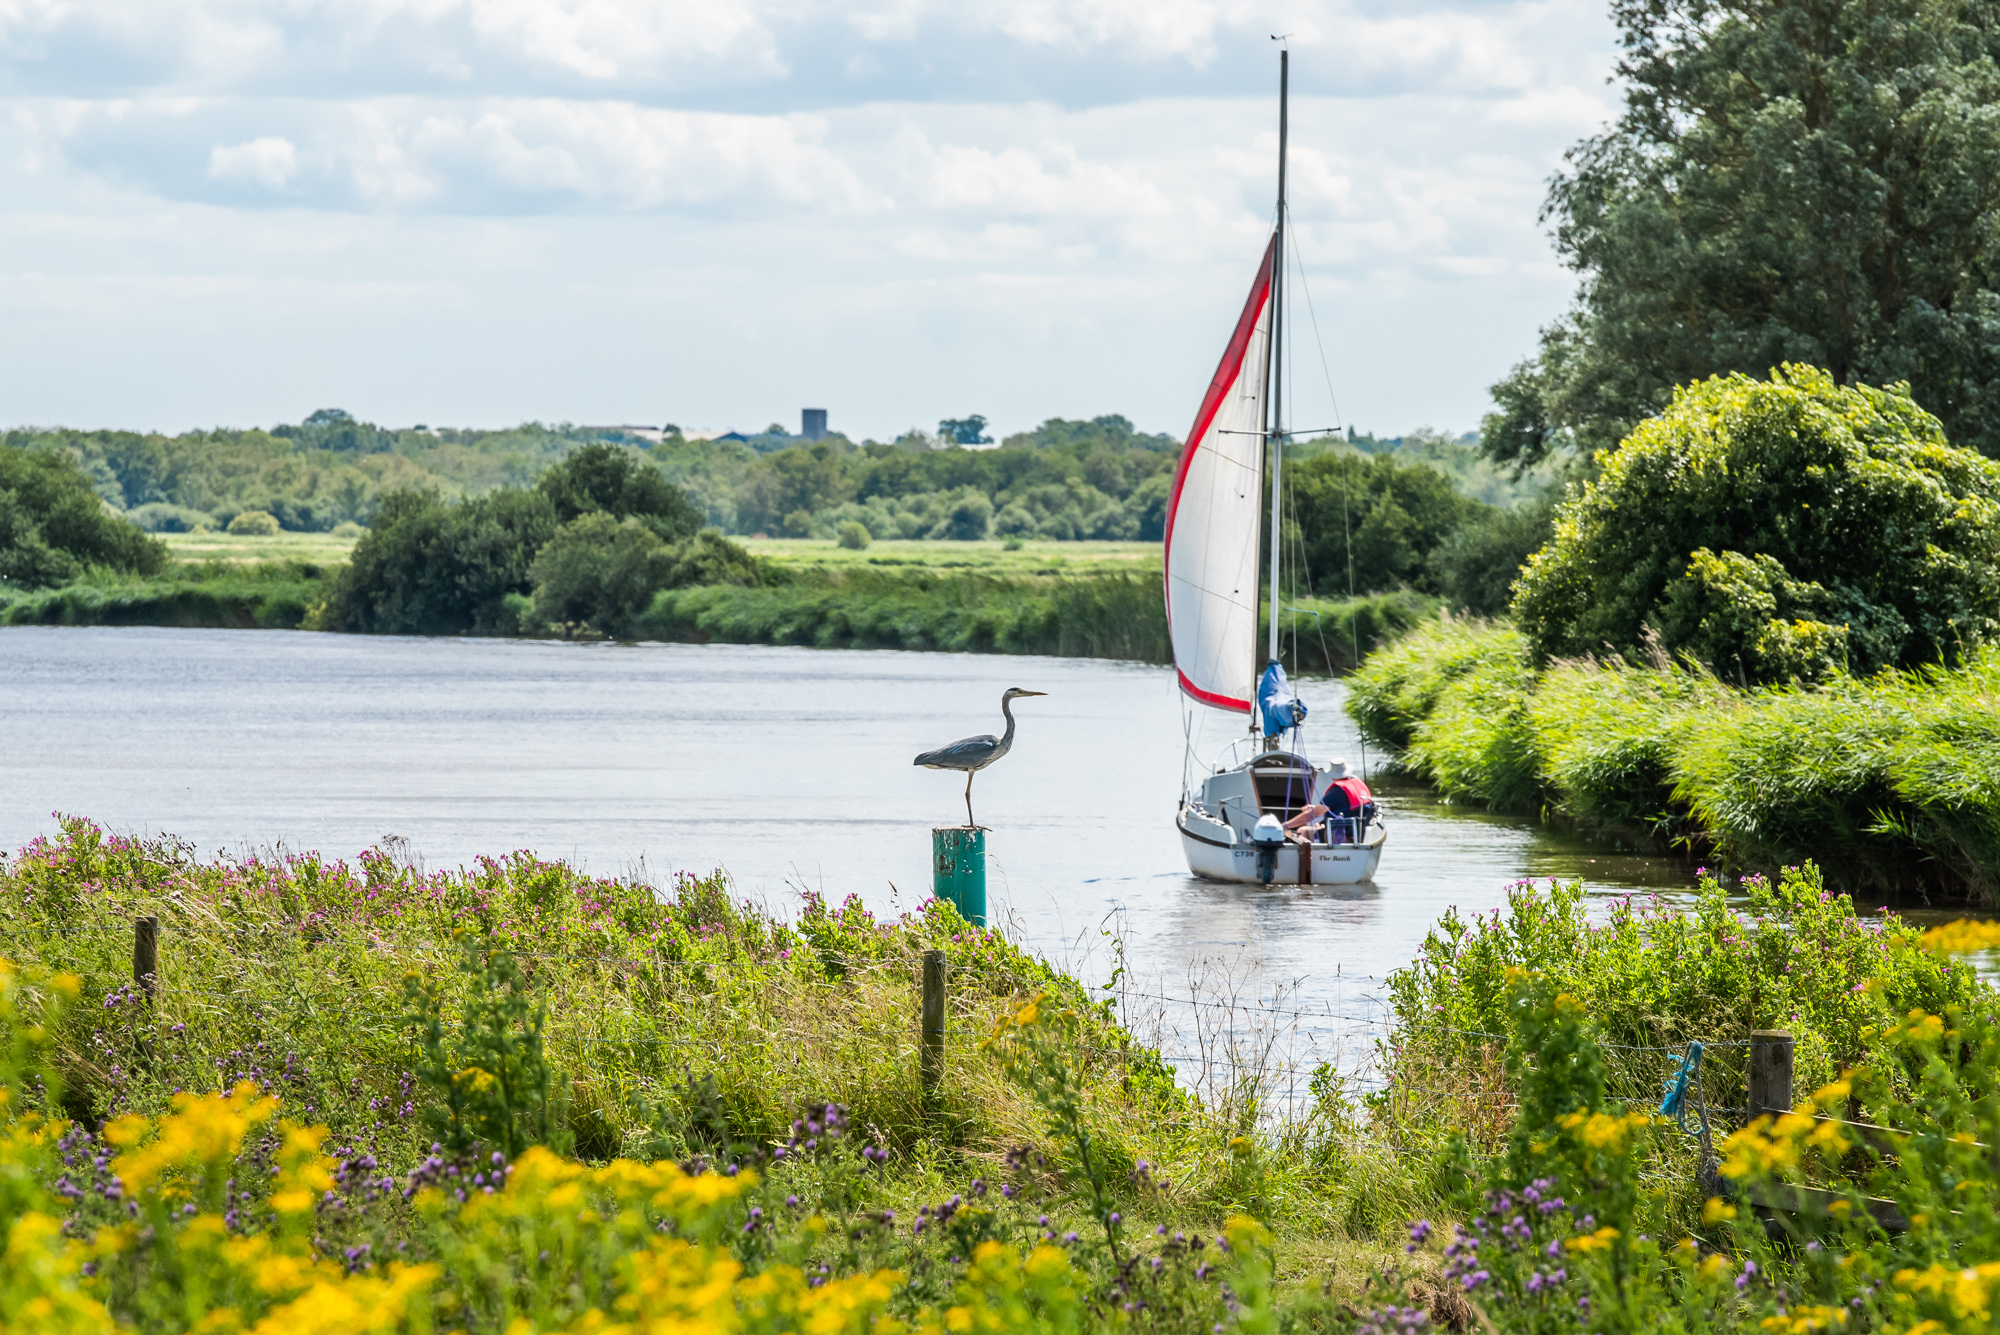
x: 1212, y: 520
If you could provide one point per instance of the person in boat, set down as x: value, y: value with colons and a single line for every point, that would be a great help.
x: 1342, y: 799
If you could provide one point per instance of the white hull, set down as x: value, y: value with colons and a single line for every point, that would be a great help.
x: 1337, y: 864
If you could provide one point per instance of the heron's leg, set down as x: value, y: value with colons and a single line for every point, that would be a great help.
x: 968, y: 798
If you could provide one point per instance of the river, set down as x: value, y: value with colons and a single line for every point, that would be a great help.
x: 789, y: 768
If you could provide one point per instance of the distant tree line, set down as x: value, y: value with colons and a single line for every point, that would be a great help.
x: 329, y: 470
x: 473, y: 532
x: 1066, y: 480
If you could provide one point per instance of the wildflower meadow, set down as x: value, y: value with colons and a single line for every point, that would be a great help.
x: 512, y: 1098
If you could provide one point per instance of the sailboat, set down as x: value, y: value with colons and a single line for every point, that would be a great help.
x: 1233, y: 824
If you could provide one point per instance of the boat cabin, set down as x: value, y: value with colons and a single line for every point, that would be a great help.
x: 1281, y: 785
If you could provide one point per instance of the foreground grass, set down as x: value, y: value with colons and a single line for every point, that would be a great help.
x: 1892, y: 781
x: 514, y: 1099
x: 679, y: 1024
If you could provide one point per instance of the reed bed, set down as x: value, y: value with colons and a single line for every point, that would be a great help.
x: 1891, y: 782
x: 1114, y: 615
x: 273, y: 595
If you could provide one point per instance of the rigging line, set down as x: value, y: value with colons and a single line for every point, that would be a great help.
x: 1313, y: 317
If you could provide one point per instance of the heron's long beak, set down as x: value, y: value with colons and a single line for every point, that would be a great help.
x: 1031, y: 692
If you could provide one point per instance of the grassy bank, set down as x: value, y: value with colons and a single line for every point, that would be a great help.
x: 669, y: 1024
x: 1030, y: 556
x: 1892, y: 781
x: 1092, y: 615
x: 1075, y: 599
x: 268, y: 595
x: 514, y: 1098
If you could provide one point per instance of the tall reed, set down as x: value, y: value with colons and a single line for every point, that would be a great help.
x: 1891, y: 781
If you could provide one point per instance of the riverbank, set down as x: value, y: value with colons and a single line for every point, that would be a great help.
x: 1891, y: 782
x: 223, y: 594
x: 1071, y: 600
x: 467, y: 1057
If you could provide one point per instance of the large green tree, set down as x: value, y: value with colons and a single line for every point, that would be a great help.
x: 1810, y: 181
x: 53, y: 526
x: 621, y: 483
x: 1775, y: 529
x: 1382, y: 517
x: 430, y: 566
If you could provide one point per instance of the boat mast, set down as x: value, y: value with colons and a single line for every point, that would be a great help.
x: 1274, y: 373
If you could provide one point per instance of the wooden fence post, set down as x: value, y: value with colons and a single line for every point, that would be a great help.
x: 931, y: 1059
x: 1770, y: 1072
x: 146, y: 973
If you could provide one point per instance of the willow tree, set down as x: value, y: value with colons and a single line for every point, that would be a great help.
x: 1812, y: 181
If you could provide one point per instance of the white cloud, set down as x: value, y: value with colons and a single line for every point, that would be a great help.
x: 604, y: 39
x: 519, y: 155
x: 1031, y: 205
x: 269, y: 161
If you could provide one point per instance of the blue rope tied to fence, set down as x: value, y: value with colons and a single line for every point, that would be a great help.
x: 1674, y: 1105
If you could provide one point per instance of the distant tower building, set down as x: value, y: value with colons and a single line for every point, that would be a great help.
x: 812, y: 423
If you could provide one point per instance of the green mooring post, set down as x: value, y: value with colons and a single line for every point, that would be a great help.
x: 958, y: 870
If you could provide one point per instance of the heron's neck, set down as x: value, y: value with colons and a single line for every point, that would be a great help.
x: 1007, y: 708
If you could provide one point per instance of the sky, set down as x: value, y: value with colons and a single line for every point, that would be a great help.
x: 717, y: 212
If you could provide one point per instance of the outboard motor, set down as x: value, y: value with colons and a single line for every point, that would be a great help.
x: 1267, y: 836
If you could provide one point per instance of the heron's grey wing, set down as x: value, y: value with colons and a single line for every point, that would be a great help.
x: 966, y: 754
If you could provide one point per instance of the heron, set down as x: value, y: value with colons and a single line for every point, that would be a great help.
x: 976, y: 753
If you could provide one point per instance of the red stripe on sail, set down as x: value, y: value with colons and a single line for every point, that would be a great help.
x: 1210, y: 697
x: 1226, y: 376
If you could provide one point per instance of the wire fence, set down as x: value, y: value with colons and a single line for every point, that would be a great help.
x: 1224, y: 1041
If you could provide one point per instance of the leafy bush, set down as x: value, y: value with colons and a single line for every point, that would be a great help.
x: 598, y: 571
x: 429, y: 566
x: 1776, y: 530
x: 1653, y: 976
x: 254, y: 524
x: 855, y: 536
x: 53, y: 527
x: 602, y: 573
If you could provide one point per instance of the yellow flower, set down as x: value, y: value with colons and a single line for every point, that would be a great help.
x: 1243, y: 1231
x: 1962, y: 937
x: 38, y: 1280
x: 1969, y: 1290
x: 1716, y: 1210
x: 1596, y: 1242
x: 350, y: 1305
x: 207, y: 1128
x: 1806, y: 1320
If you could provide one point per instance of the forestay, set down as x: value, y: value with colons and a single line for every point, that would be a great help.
x: 1212, y: 520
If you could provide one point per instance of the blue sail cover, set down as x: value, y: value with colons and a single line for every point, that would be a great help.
x: 1276, y: 704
